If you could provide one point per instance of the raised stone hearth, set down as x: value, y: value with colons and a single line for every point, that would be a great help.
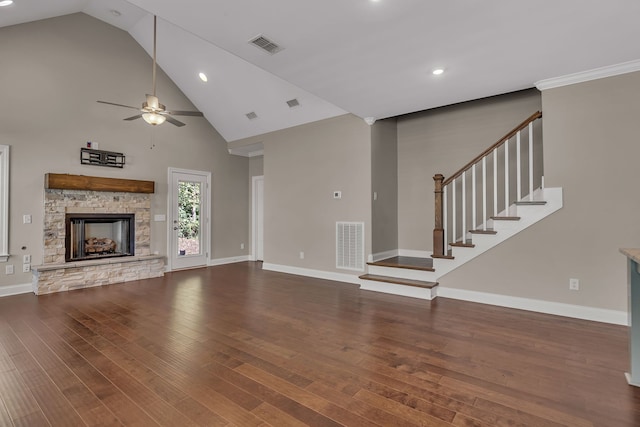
x: 56, y: 275
x: 84, y: 274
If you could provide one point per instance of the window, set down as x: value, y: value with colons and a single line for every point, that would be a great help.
x: 4, y: 203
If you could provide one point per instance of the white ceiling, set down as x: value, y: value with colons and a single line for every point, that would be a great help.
x: 372, y: 59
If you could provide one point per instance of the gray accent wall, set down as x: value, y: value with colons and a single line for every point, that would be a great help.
x: 53, y: 71
x: 442, y: 141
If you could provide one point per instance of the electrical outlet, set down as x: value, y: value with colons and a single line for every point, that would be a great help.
x: 574, y: 284
x: 26, y: 268
x: 26, y: 259
x: 26, y: 219
x: 301, y: 255
x: 241, y: 245
x: 8, y: 269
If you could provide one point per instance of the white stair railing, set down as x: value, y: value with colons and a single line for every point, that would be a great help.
x: 457, y: 200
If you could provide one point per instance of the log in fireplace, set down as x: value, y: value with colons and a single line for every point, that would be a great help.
x: 98, y: 235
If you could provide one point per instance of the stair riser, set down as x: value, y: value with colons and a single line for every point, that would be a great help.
x: 407, y: 291
x: 505, y: 225
x: 403, y: 273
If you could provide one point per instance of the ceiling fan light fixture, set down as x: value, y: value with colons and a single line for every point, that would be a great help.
x: 154, y: 118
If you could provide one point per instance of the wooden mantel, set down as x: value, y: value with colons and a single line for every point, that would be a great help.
x: 58, y: 181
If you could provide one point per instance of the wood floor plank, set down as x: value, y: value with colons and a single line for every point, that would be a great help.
x: 234, y: 345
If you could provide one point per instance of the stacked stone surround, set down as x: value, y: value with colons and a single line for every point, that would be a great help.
x: 55, y: 275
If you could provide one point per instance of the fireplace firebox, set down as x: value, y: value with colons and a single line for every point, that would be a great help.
x: 91, y: 236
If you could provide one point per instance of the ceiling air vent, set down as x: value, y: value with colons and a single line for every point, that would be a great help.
x: 293, y: 103
x: 265, y: 44
x: 252, y: 115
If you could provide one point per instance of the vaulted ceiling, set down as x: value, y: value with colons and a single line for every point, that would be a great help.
x: 370, y: 58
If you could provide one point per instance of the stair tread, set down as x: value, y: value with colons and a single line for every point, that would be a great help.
x: 461, y: 244
x: 443, y: 256
x: 505, y: 218
x: 399, y: 281
x: 531, y: 202
x: 487, y: 231
x: 412, y: 263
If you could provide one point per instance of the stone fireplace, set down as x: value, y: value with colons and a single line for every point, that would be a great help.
x: 95, y: 234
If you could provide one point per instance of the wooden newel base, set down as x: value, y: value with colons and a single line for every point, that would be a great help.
x: 438, y: 242
x: 438, y: 231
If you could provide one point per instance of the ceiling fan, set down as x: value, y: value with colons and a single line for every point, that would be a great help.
x: 152, y: 111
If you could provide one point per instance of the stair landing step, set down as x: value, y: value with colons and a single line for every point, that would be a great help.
x: 531, y: 202
x: 487, y: 231
x: 398, y: 281
x: 505, y: 218
x: 413, y: 263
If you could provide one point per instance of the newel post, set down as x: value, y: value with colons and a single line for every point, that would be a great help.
x: 438, y: 231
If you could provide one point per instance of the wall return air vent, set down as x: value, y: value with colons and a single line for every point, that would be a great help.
x: 350, y: 245
x: 265, y: 44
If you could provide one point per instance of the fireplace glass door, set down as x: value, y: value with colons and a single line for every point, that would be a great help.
x: 91, y: 236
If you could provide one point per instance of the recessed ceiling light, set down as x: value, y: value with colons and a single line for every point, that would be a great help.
x: 437, y: 71
x: 115, y: 13
x: 203, y: 77
x: 6, y: 3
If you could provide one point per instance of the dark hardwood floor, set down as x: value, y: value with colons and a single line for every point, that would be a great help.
x: 235, y: 345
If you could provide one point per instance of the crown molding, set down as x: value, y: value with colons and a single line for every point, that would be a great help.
x: 585, y: 76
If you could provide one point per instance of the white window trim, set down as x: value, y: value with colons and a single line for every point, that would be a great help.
x: 4, y: 203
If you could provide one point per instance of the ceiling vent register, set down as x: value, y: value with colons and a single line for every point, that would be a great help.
x: 265, y: 44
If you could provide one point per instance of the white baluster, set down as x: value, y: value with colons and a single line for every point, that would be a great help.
x: 484, y: 192
x: 444, y: 219
x: 530, y: 161
x: 506, y: 177
x: 495, y: 182
x: 518, y: 169
x: 473, y: 197
x: 454, y: 214
x: 464, y: 206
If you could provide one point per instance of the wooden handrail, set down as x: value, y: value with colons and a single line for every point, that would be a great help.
x: 501, y: 141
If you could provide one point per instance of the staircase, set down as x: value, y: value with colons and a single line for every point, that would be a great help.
x: 466, y: 198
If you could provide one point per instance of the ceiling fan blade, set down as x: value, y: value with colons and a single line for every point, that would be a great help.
x: 137, y: 116
x: 173, y: 121
x: 118, y: 105
x: 186, y: 113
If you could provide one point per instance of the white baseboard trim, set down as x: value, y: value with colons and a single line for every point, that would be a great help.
x: 6, y: 291
x: 414, y: 253
x: 318, y: 274
x: 230, y: 260
x: 548, y: 307
x: 383, y: 255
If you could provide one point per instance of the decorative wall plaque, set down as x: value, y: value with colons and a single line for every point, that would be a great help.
x: 89, y: 156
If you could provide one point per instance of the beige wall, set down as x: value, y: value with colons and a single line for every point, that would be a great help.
x: 442, y: 141
x: 256, y: 166
x: 302, y: 167
x: 384, y: 182
x: 591, y: 150
x: 53, y: 71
